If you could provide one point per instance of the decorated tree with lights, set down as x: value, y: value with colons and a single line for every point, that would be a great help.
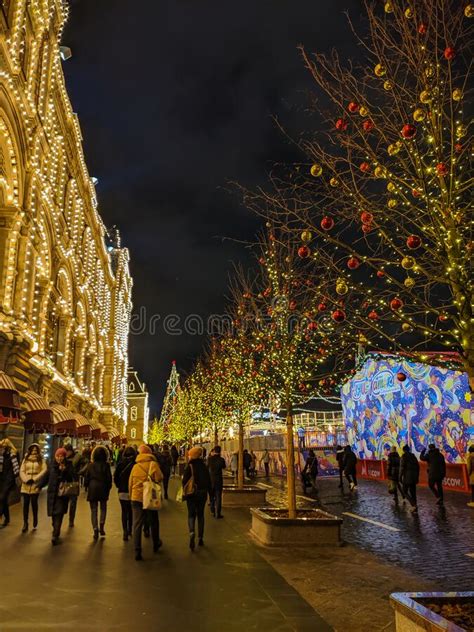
x: 382, y: 195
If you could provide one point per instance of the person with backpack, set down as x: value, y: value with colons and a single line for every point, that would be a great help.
x: 146, y: 468
x: 196, y: 487
x: 121, y: 479
x: 436, y: 470
x: 409, y: 476
x: 32, y: 473
x: 216, y: 466
x: 98, y: 480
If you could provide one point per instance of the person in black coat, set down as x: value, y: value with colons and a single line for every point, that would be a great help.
x: 165, y: 462
x: 393, y: 472
x: 121, y: 477
x: 175, y: 458
x: 61, y: 472
x: 247, y: 461
x: 310, y: 471
x: 436, y: 470
x: 216, y: 466
x: 340, y: 462
x: 98, y: 480
x: 196, y: 468
x: 350, y: 463
x: 409, y: 476
x: 9, y: 470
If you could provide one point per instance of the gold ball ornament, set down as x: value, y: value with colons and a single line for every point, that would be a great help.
x: 363, y: 111
x: 469, y: 10
x: 461, y: 131
x: 392, y: 203
x: 388, y: 7
x: 391, y: 187
x: 406, y: 327
x: 334, y: 182
x: 388, y: 85
x: 419, y: 115
x: 394, y: 148
x: 316, y: 170
x: 409, y: 13
x: 409, y: 282
x: 457, y: 94
x: 425, y: 96
x: 380, y: 70
x: 342, y: 287
x: 379, y: 172
x: 306, y: 236
x: 408, y: 263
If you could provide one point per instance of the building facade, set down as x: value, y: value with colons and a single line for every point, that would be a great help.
x: 138, y: 411
x: 65, y: 286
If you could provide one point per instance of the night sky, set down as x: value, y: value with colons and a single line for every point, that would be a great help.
x: 175, y: 99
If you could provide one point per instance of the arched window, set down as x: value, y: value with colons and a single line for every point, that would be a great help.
x: 133, y: 433
x: 133, y: 413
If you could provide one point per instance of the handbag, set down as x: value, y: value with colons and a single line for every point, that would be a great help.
x: 151, y: 494
x: 68, y: 489
x: 190, y: 488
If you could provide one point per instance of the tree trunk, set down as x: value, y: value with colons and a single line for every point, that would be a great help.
x: 290, y: 462
x: 240, y: 466
x: 216, y: 436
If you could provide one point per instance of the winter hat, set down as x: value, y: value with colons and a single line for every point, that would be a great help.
x: 195, y: 453
x: 144, y: 449
x: 60, y: 452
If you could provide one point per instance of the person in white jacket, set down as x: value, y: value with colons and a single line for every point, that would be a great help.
x: 32, y: 472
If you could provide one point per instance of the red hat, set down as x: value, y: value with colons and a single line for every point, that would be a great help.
x: 60, y: 452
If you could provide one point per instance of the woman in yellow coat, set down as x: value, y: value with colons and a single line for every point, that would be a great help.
x: 145, y: 466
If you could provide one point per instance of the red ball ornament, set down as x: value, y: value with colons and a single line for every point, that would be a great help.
x: 366, y: 217
x: 365, y: 305
x: 312, y: 326
x: 341, y: 125
x: 449, y: 53
x: 443, y: 317
x: 327, y: 223
x: 365, y: 167
x: 302, y: 387
x: 322, y: 307
x: 401, y: 377
x: 338, y: 316
x: 304, y: 252
x: 442, y: 169
x: 353, y: 263
x: 408, y: 131
x: 396, y: 303
x: 413, y: 242
x: 458, y: 148
x: 353, y: 107
x: 368, y: 125
x: 366, y: 228
x: 380, y: 273
x: 422, y: 29
x: 292, y: 305
x: 415, y: 193
x: 373, y: 315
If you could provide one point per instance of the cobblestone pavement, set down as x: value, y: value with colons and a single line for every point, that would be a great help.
x: 435, y: 544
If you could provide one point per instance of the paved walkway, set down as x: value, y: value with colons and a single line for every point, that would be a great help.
x: 81, y: 585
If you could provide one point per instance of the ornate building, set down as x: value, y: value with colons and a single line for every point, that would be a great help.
x: 65, y: 286
x: 138, y: 411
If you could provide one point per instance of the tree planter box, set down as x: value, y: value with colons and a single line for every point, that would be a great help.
x: 249, y: 496
x: 414, y: 611
x: 312, y: 527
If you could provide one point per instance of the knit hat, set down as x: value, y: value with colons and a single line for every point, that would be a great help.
x: 60, y: 452
x: 144, y: 449
x: 195, y: 453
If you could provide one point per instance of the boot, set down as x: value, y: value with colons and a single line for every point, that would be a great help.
x: 25, y: 527
x: 192, y: 541
x: 96, y: 534
x: 102, y: 532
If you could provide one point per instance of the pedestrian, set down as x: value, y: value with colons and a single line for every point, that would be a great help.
x: 165, y: 461
x: 146, y: 466
x: 196, y: 500
x: 99, y: 482
x: 234, y: 464
x: 85, y: 460
x: 340, y: 462
x: 266, y: 462
x: 409, y: 476
x: 393, y: 473
x: 216, y: 466
x: 470, y: 472
x: 33, y: 470
x: 253, y: 464
x: 77, y: 462
x: 310, y: 471
x: 121, y: 480
x: 436, y: 470
x: 9, y: 471
x: 350, y: 465
x: 247, y: 460
x: 61, y: 474
x: 175, y: 458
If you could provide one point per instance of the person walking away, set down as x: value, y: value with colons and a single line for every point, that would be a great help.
x: 350, y: 465
x: 247, y: 462
x: 76, y: 460
x: 266, y: 462
x: 165, y: 461
x: 310, y: 470
x: 121, y: 479
x: 175, y: 458
x: 393, y: 473
x: 470, y: 472
x: 234, y: 464
x: 146, y: 466
x: 253, y: 464
x: 436, y: 470
x: 9, y: 471
x: 98, y: 479
x: 61, y: 472
x: 409, y: 476
x: 340, y: 462
x: 32, y: 473
x: 216, y: 466
x: 196, y: 501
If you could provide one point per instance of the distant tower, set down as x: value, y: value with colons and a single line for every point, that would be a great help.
x: 172, y: 390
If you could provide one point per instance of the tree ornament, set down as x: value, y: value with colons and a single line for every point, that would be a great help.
x: 267, y: 292
x: 327, y: 222
x: 363, y: 110
x: 442, y: 169
x: 334, y: 182
x: 408, y: 131
x: 396, y: 304
x: 367, y: 228
x: 379, y: 172
x: 353, y: 263
x: 419, y: 115
x: 408, y: 263
x: 380, y: 274
x: 353, y: 107
x: 316, y: 170
x: 406, y: 327
x: 409, y: 282
x: 366, y: 217
x: 388, y: 7
x: 292, y: 304
x: 304, y: 252
x: 306, y: 236
x: 449, y: 53
x: 368, y: 125
x: 394, y: 148
x: 469, y: 10
x: 392, y: 203
x: 409, y: 13
x: 388, y: 85
x: 364, y: 167
x: 443, y: 316
x: 341, y: 125
x: 425, y: 96
x: 457, y: 94
x: 322, y: 307
x: 413, y: 242
x: 461, y: 131
x: 312, y: 326
x: 391, y: 187
x: 422, y: 29
x: 373, y: 315
x: 458, y: 148
x: 401, y: 377
x: 341, y: 287
x: 415, y: 193
x: 380, y: 70
x: 338, y: 315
